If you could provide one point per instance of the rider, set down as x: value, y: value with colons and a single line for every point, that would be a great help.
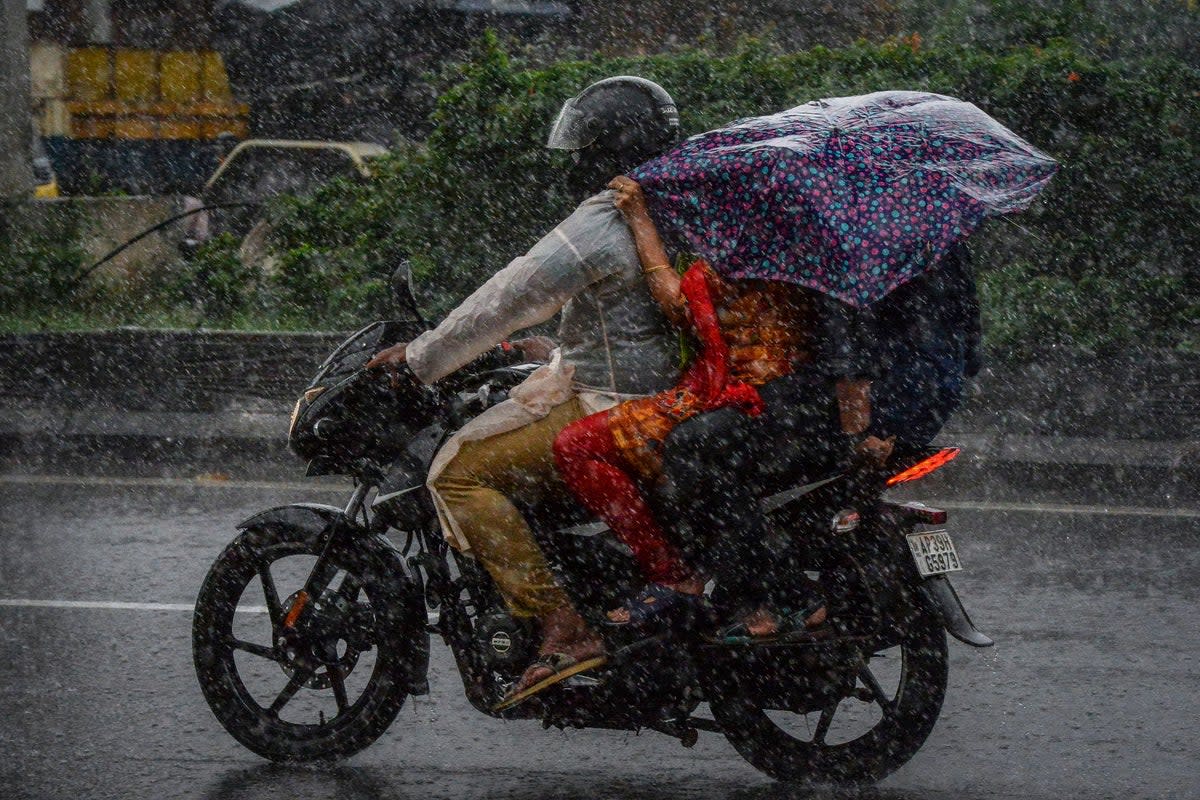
x: 614, y: 344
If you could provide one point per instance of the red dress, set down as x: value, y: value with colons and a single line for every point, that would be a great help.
x: 748, y: 334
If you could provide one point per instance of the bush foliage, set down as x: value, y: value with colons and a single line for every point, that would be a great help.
x: 1104, y: 259
x: 1107, y: 28
x: 39, y: 264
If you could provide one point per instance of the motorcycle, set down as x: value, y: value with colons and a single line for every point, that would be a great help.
x: 351, y: 596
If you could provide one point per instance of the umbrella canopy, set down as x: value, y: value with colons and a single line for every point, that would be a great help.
x: 850, y: 196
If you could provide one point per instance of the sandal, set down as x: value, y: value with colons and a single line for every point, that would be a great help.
x: 807, y: 626
x: 658, y: 603
x: 561, y: 666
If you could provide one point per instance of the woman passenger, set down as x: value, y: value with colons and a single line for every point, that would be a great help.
x: 747, y: 334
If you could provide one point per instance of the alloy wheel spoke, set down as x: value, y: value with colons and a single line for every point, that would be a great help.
x: 339, y: 688
x: 299, y: 677
x: 824, y: 722
x: 262, y: 651
x: 274, y: 609
x: 868, y: 678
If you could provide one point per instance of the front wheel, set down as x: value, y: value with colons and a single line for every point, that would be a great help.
x: 880, y: 714
x: 316, y: 685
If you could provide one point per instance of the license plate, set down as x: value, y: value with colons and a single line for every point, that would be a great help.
x: 934, y: 553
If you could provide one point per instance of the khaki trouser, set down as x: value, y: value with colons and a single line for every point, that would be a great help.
x: 476, y: 486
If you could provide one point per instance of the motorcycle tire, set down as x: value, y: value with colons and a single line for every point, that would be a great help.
x: 867, y: 759
x: 396, y: 638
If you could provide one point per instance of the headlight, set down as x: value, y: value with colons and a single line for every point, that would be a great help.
x: 295, y: 416
x: 325, y: 428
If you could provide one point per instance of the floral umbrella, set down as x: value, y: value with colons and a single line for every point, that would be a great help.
x: 850, y: 196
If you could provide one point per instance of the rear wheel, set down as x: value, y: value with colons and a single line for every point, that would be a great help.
x: 331, y: 680
x: 884, y: 708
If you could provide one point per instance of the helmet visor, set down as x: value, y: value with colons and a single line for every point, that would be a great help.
x: 570, y: 130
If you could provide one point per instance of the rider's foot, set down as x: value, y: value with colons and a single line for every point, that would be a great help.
x: 566, y: 641
x: 691, y: 585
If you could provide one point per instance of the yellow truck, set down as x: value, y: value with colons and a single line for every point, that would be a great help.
x: 130, y: 119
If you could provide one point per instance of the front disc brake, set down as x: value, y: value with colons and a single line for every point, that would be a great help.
x: 353, y: 631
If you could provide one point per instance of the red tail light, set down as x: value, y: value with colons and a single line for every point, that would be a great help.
x: 922, y: 468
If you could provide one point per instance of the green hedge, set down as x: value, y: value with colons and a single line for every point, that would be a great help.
x: 1104, y: 260
x: 37, y: 263
x: 1109, y: 28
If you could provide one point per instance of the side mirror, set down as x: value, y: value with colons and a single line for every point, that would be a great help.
x: 403, y: 293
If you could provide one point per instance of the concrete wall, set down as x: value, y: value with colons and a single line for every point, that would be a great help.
x: 148, y: 370
x: 216, y: 405
x: 1150, y: 396
x: 100, y: 224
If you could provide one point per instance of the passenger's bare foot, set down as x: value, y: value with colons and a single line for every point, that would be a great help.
x: 693, y: 585
x: 764, y: 622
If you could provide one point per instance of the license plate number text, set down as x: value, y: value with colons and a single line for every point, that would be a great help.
x: 934, y: 553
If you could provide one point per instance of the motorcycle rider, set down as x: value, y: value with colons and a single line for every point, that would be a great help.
x: 614, y: 344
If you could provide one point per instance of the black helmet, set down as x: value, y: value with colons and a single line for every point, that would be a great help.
x: 629, y: 118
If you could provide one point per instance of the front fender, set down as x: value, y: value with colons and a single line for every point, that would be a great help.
x: 318, y: 518
x: 309, y: 517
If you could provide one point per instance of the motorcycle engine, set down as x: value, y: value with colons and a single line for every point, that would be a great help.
x: 507, y: 643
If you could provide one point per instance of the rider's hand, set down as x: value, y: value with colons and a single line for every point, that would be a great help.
x: 535, y: 348
x: 392, y: 361
x: 629, y: 198
x: 875, y: 451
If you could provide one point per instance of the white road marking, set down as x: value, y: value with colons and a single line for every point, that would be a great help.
x: 1066, y: 508
x: 204, y: 482
x: 119, y: 605
x: 114, y: 605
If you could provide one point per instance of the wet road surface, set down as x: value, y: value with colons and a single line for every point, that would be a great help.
x: 1092, y: 692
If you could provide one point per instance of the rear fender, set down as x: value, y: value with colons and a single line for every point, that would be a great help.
x: 317, y: 519
x: 937, y: 591
x: 940, y: 594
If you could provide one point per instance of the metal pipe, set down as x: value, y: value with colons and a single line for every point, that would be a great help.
x: 356, y: 500
x: 128, y: 242
x: 16, y: 174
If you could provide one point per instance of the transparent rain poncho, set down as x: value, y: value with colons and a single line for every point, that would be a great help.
x: 611, y: 331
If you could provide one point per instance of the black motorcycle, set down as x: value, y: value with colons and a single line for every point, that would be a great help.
x: 351, y: 596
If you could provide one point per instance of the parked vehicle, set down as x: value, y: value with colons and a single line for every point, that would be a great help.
x: 347, y: 598
x: 135, y: 120
x: 257, y: 170
x: 45, y: 182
